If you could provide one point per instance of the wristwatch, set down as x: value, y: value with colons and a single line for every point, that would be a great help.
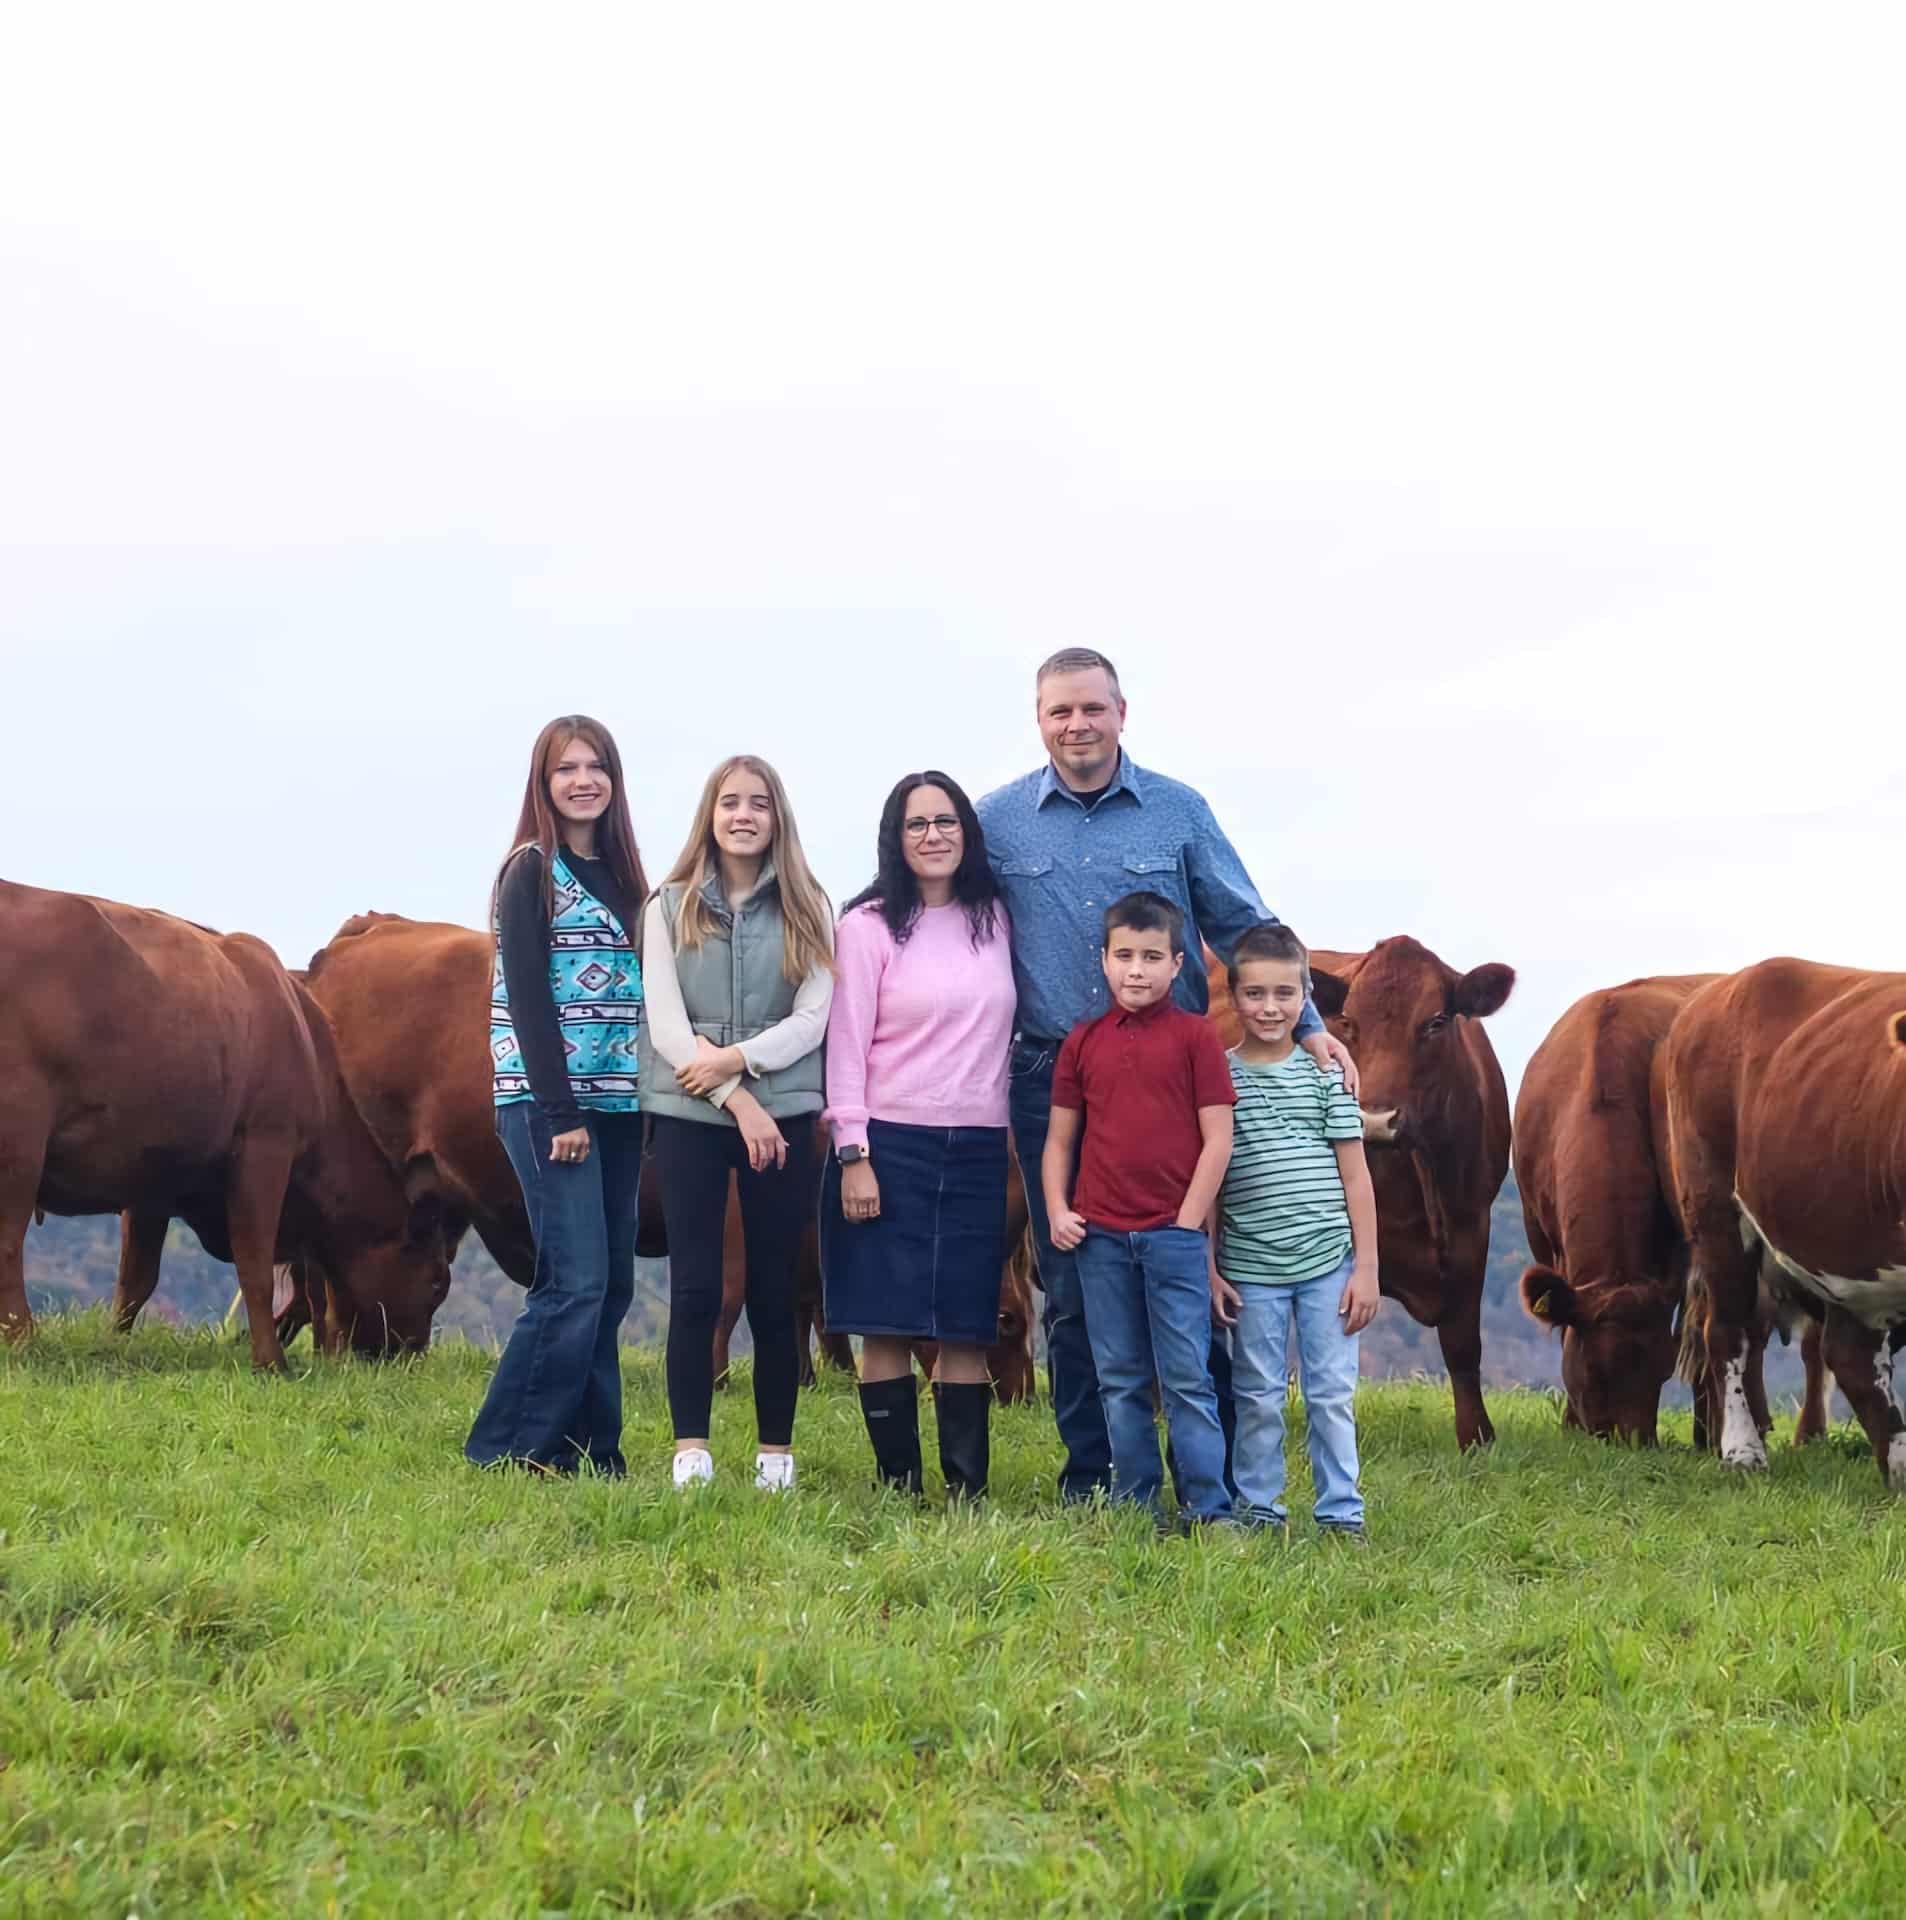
x: 850, y: 1156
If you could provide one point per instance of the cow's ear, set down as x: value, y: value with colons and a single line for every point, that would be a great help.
x: 1328, y: 991
x: 1897, y: 1028
x: 1482, y: 990
x: 423, y: 1194
x: 1548, y: 1297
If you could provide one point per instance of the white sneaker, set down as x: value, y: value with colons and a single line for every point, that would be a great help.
x: 774, y: 1472
x: 694, y: 1467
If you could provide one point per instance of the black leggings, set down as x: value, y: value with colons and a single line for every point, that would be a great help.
x: 694, y: 1159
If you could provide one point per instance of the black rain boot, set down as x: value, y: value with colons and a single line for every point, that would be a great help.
x: 965, y: 1442
x: 891, y: 1409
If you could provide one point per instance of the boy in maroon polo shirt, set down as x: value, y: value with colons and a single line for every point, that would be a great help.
x: 1144, y: 1092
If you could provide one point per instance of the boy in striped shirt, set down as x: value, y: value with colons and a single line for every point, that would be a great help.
x: 1294, y: 1240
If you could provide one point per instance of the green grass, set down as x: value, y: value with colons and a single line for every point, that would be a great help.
x: 268, y: 1647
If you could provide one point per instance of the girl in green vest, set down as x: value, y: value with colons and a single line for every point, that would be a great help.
x: 739, y: 957
x: 565, y: 1010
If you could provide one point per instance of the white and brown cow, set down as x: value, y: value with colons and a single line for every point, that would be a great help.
x: 1786, y: 1089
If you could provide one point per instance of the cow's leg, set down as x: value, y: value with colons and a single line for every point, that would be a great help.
x: 1757, y: 1380
x: 734, y: 1294
x: 1460, y: 1335
x: 255, y: 1198
x: 16, y: 1318
x: 734, y: 1284
x: 1730, y: 1274
x: 804, y: 1342
x: 838, y: 1351
x: 1813, y: 1402
x: 141, y: 1245
x: 1862, y: 1362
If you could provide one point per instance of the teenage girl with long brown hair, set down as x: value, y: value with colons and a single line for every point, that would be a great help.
x: 565, y: 1013
x: 738, y: 947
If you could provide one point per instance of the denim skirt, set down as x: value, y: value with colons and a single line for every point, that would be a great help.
x: 928, y: 1268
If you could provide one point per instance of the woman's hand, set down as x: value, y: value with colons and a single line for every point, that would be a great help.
x: 571, y: 1148
x: 709, y: 1068
x: 767, y: 1146
x: 859, y: 1191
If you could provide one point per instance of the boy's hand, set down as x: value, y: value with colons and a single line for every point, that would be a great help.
x: 1225, y: 1301
x: 1327, y: 1050
x: 1068, y: 1229
x: 1360, y: 1300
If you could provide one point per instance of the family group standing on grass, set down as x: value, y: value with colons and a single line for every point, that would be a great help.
x: 1016, y: 965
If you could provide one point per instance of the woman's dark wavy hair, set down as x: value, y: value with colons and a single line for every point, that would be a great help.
x: 894, y: 889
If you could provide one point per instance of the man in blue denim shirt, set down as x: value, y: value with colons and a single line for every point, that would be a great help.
x: 1066, y: 841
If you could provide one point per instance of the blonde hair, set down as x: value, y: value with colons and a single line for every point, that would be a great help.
x: 807, y: 921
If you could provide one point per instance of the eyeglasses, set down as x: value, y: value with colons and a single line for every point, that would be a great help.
x: 948, y: 825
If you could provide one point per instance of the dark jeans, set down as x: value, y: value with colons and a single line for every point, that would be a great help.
x: 1075, y: 1381
x: 555, y: 1399
x: 694, y: 1159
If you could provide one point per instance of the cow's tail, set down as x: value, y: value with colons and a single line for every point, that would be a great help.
x: 1690, y: 1360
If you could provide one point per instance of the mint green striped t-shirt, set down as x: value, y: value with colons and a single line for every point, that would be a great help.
x: 1282, y: 1217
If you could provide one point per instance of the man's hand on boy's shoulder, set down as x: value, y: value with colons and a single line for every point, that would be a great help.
x: 1328, y: 1051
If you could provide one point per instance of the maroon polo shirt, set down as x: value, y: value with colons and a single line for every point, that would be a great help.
x: 1139, y: 1080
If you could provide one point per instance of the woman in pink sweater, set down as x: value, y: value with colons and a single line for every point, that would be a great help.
x: 913, y: 1202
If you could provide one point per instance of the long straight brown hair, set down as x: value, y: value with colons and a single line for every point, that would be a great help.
x: 807, y: 921
x: 539, y: 825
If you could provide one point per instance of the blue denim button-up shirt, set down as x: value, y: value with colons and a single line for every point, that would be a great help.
x: 1060, y: 866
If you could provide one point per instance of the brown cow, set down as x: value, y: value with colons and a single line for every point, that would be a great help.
x: 154, y: 1068
x: 1787, y: 1129
x: 1436, y: 1112
x: 1610, y: 1265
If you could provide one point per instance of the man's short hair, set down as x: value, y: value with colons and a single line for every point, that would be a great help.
x: 1270, y: 941
x: 1077, y: 660
x: 1146, y: 913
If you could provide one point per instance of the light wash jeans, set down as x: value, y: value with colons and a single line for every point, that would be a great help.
x: 1259, y: 1369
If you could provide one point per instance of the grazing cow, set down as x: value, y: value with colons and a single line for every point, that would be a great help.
x: 152, y: 1068
x: 1787, y: 1128
x: 1436, y: 1113
x: 1610, y: 1265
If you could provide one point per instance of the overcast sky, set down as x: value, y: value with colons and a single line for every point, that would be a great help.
x: 1479, y: 437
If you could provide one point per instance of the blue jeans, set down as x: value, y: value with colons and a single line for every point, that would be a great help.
x: 555, y: 1399
x: 1148, y: 1307
x: 1259, y: 1370
x: 1075, y: 1382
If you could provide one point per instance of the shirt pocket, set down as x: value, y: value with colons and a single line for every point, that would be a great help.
x: 1156, y: 873
x: 1030, y: 866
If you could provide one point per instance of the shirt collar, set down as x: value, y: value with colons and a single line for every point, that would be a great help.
x: 1145, y: 1016
x: 1126, y: 779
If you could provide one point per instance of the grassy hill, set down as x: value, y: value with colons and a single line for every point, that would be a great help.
x: 270, y: 1648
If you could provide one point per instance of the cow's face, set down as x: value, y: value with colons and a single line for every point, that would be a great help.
x: 1400, y: 1014
x: 387, y: 1285
x: 1618, y: 1351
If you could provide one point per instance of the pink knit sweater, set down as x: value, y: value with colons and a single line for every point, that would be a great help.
x: 918, y: 1033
